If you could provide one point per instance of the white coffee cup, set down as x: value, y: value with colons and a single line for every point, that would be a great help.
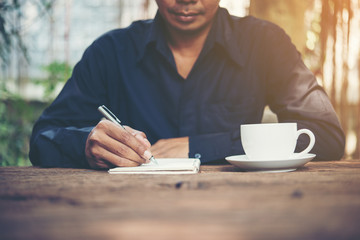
x: 273, y: 141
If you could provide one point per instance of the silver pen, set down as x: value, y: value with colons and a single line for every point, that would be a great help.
x: 110, y: 116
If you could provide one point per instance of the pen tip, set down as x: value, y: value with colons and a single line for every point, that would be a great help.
x: 152, y: 159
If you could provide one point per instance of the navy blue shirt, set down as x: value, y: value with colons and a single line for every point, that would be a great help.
x: 245, y: 65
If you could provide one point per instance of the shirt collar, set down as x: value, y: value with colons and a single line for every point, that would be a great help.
x: 221, y: 34
x: 155, y: 37
x: 157, y: 30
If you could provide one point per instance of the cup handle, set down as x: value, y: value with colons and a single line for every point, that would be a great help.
x: 312, y: 140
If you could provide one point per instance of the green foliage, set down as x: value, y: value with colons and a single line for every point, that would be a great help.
x: 58, y: 72
x: 17, y: 117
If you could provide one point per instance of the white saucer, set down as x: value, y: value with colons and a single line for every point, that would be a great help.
x: 285, y: 165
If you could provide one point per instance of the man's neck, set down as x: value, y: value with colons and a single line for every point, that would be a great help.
x: 190, y: 43
x: 186, y: 48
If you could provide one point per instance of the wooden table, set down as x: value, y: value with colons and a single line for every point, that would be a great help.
x: 318, y: 201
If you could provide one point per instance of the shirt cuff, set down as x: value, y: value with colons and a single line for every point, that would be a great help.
x: 215, y: 146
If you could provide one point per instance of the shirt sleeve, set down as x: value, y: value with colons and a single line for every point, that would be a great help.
x: 60, y: 147
x: 295, y: 96
x: 292, y: 93
x: 59, y: 136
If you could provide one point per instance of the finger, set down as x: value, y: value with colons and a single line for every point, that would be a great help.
x: 106, y: 159
x: 120, y: 149
x: 114, y: 160
x: 143, y: 140
x: 100, y: 164
x: 100, y: 137
x: 128, y: 139
x: 123, y: 151
x: 139, y: 135
x: 134, y: 131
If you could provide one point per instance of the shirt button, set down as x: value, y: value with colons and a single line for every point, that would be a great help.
x: 197, y: 155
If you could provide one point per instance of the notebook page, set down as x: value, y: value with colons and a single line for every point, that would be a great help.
x: 165, y: 166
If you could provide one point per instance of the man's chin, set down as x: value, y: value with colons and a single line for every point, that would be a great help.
x: 190, y: 29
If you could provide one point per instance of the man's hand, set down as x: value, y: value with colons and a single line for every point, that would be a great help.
x: 109, y: 145
x: 171, y: 148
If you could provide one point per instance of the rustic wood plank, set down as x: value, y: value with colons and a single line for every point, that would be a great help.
x: 319, y: 201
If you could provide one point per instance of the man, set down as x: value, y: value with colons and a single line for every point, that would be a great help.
x: 185, y: 81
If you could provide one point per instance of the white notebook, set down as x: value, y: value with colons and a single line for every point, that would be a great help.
x: 165, y: 166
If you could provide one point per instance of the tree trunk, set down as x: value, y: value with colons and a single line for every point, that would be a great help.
x: 357, y: 127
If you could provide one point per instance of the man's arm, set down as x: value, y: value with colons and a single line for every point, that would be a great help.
x: 292, y: 92
x: 303, y: 101
x: 295, y: 96
x: 54, y: 146
x: 68, y: 133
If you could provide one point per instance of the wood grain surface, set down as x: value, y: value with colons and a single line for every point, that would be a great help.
x: 318, y: 201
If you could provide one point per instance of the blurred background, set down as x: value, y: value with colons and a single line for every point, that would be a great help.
x: 42, y: 40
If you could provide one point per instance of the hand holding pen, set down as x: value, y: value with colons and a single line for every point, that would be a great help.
x: 110, y: 144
